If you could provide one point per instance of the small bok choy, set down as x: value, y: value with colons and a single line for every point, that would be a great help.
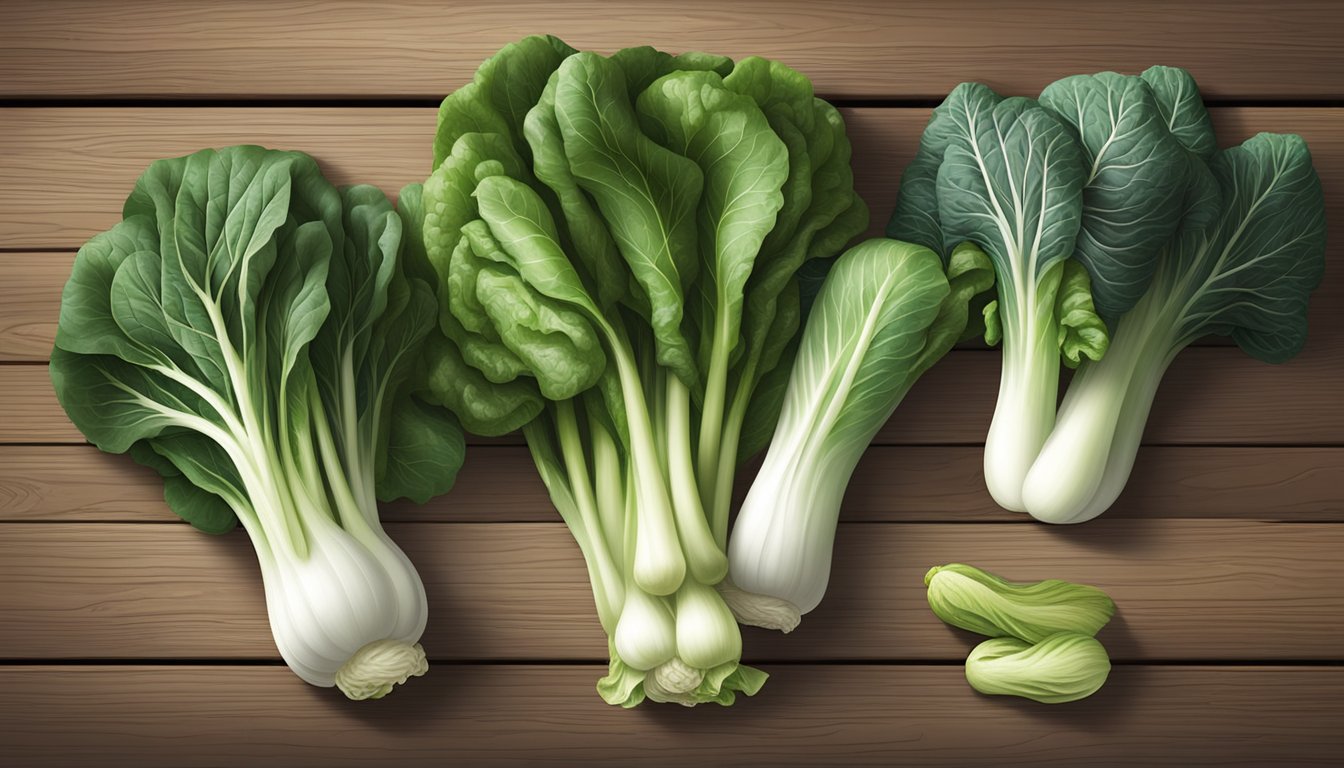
x: 1119, y: 234
x: 247, y: 331
x: 886, y: 313
x: 1250, y: 251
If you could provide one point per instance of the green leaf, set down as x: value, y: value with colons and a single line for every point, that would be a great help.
x: 86, y: 322
x: 1133, y: 188
x: 916, y: 218
x: 744, y: 165
x: 1183, y: 110
x: 425, y: 448
x: 205, y: 511
x: 970, y: 276
x: 978, y: 601
x: 484, y: 407
x: 556, y: 342
x: 1254, y: 278
x: 504, y: 88
x: 1013, y: 187
x: 593, y: 247
x: 448, y: 194
x: 204, y: 487
x: 1082, y: 333
x: 647, y: 194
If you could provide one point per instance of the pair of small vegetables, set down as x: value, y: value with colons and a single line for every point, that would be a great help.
x: 1042, y: 645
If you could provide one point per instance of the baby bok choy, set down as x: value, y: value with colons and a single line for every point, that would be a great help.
x: 246, y: 330
x: 885, y: 314
x: 614, y: 242
x: 1250, y: 251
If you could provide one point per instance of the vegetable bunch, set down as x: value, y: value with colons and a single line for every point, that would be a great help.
x: 247, y: 331
x: 614, y: 242
x: 1119, y: 233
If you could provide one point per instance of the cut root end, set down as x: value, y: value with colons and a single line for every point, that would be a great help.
x: 760, y: 610
x: 380, y: 666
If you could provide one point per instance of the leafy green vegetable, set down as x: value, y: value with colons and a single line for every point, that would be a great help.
x: 885, y: 314
x: 614, y: 242
x: 1107, y: 198
x: 1063, y: 667
x: 247, y: 331
x: 1249, y: 251
x: 1008, y: 175
x: 975, y: 600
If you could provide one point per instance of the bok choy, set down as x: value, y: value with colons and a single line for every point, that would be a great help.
x: 885, y: 314
x: 614, y: 241
x: 247, y: 331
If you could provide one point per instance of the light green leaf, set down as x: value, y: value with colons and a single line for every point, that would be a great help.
x: 647, y: 194
x: 1062, y: 668
x: 976, y: 600
x: 504, y: 88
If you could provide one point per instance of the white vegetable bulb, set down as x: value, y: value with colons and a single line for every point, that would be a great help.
x: 349, y: 614
x: 707, y: 633
x: 646, y: 633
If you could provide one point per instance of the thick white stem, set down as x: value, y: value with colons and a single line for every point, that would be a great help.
x: 1023, y: 414
x: 1100, y: 423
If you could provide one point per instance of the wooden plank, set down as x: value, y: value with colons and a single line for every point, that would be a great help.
x: 30, y: 303
x: 388, y: 147
x: 1186, y: 590
x: 64, y: 172
x: 892, y: 484
x: 1208, y: 396
x: 806, y: 715
x: 852, y: 49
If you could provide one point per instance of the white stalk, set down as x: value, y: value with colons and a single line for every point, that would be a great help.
x: 1025, y: 410
x: 781, y: 548
x: 350, y: 614
x: 1100, y: 423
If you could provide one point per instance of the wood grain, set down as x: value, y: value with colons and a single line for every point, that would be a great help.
x: 1187, y: 590
x: 851, y: 49
x: 528, y: 715
x: 1208, y: 396
x: 498, y: 484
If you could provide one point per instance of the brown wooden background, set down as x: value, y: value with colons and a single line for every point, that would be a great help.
x: 126, y: 638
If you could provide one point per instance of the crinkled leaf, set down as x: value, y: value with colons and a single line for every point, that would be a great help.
x: 1253, y: 278
x: 1134, y: 184
x: 504, y: 88
x: 916, y: 218
x: 1183, y: 110
x: 1082, y: 333
x: 647, y: 194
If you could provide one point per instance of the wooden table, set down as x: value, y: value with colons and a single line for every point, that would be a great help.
x: 126, y: 638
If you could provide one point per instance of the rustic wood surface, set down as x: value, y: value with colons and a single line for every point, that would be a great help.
x: 527, y: 714
x: 1186, y: 590
x: 126, y: 638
